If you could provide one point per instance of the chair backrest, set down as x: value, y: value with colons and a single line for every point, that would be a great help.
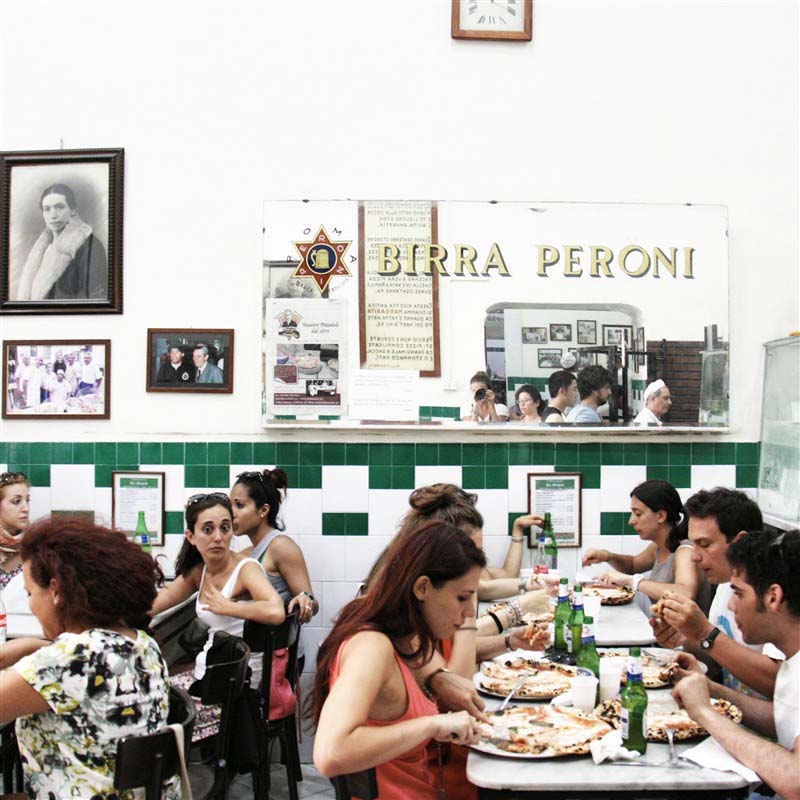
x: 10, y: 764
x: 362, y: 784
x: 266, y: 639
x: 182, y: 712
x: 146, y: 761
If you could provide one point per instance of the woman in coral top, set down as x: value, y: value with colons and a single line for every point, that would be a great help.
x: 369, y: 708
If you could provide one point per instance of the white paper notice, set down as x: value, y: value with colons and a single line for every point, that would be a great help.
x: 387, y: 395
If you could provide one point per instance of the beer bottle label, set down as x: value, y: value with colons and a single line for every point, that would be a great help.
x: 624, y: 723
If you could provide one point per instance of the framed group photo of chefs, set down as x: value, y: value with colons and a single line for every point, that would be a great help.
x: 61, y: 231
x: 190, y: 360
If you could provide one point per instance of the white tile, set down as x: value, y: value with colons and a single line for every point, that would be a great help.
x: 313, y: 637
x: 102, y: 506
x: 496, y: 548
x: 518, y: 484
x: 361, y: 553
x: 425, y: 476
x: 617, y: 483
x: 175, y: 493
x: 493, y: 505
x: 387, y: 507
x: 751, y: 492
x: 611, y: 543
x: 72, y: 487
x: 590, y: 512
x: 41, y: 502
x: 632, y: 545
x: 711, y: 476
x: 568, y: 561
x: 324, y: 557
x: 337, y: 594
x: 172, y: 546
x: 301, y: 512
x: 345, y: 488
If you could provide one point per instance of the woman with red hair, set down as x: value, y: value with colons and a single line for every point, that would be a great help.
x: 370, y: 709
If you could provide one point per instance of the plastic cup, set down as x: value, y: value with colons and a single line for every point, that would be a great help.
x: 584, y: 692
x: 591, y: 608
x: 610, y: 676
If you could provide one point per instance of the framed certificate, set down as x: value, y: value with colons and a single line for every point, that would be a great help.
x: 560, y: 494
x: 135, y: 492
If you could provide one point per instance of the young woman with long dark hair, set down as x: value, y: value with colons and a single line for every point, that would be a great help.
x: 15, y: 498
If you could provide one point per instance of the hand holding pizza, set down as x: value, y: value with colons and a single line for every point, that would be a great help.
x: 685, y: 616
x: 665, y: 634
x: 529, y: 637
x: 687, y: 664
x: 458, y: 694
x: 692, y: 694
x: 459, y: 728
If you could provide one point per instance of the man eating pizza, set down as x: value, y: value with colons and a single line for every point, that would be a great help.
x: 765, y: 602
x: 716, y: 518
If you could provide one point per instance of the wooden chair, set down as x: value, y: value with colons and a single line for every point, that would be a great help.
x: 10, y: 764
x: 267, y: 639
x: 362, y: 784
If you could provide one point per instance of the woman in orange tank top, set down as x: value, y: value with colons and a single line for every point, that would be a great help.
x: 370, y: 710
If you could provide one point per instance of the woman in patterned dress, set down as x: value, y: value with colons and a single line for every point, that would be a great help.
x: 15, y: 496
x: 101, y: 677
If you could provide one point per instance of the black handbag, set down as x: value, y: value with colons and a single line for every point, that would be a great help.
x: 194, y: 637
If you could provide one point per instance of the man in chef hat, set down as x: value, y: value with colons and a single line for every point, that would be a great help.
x: 657, y: 400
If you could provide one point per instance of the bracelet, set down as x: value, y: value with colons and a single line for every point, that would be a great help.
x: 637, y: 579
x: 310, y: 596
x: 508, y: 642
x: 497, y: 622
x: 427, y: 682
x: 468, y: 628
x: 518, y: 539
x: 516, y: 608
x: 522, y: 584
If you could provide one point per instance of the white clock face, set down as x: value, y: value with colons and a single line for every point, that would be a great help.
x: 492, y: 15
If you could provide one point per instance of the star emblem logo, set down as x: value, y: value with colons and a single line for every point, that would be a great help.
x: 321, y: 259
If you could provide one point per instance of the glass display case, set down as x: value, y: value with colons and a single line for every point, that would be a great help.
x: 779, y: 473
x: 714, y: 387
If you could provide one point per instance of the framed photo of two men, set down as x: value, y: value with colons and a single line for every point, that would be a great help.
x: 61, y: 231
x: 190, y: 360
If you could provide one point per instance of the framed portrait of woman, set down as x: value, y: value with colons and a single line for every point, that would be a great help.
x: 61, y: 232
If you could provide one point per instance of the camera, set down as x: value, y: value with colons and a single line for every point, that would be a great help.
x: 479, y: 395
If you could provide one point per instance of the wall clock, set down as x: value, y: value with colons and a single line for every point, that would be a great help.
x: 492, y: 19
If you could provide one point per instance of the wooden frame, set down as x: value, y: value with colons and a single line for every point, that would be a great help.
x: 525, y: 35
x: 535, y: 335
x: 151, y: 487
x: 560, y: 332
x: 219, y: 344
x: 609, y: 334
x: 84, y: 276
x: 549, y: 357
x: 570, y: 508
x: 72, y: 397
x: 587, y: 331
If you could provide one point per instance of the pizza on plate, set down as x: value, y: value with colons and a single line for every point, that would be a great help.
x: 610, y: 595
x: 543, y: 679
x: 656, y: 673
x: 541, y: 732
x: 666, y: 714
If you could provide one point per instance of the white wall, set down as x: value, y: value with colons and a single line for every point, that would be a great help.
x: 221, y: 105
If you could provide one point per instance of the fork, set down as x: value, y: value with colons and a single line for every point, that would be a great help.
x: 517, y: 686
x: 674, y: 758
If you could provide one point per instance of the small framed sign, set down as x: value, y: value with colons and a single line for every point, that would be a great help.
x: 135, y: 493
x: 560, y: 494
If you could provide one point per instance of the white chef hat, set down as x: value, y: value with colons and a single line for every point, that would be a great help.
x: 652, y: 388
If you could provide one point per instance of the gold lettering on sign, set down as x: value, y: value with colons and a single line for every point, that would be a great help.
x: 434, y: 255
x: 660, y: 258
x: 601, y: 256
x: 642, y: 269
x: 688, y: 267
x: 465, y: 257
x: 495, y: 261
x: 388, y: 263
x: 548, y: 257
x: 572, y: 260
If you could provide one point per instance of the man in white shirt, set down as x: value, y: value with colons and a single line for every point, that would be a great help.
x: 765, y: 602
x: 716, y: 518
x: 657, y: 401
x: 90, y: 374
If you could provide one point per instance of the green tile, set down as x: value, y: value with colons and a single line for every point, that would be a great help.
x: 403, y: 477
x: 519, y: 453
x: 657, y: 472
x: 334, y: 524
x: 334, y: 454
x: 194, y: 476
x: 83, y: 453
x: 102, y: 476
x: 329, y: 417
x: 424, y: 412
x: 287, y: 453
x: 127, y: 453
x: 567, y: 455
x: 658, y: 454
x: 680, y: 453
x: 634, y: 454
x: 19, y: 452
x: 310, y: 477
x: 356, y: 454
x: 104, y: 453
x: 380, y: 455
x: 449, y: 455
x: 219, y: 453
x: 680, y: 476
x: 625, y: 528
x: 747, y: 452
x: 613, y: 454
x: 402, y: 455
x: 149, y: 453
x: 746, y: 476
x: 62, y: 453
x: 591, y: 477
x: 426, y: 455
x: 241, y: 453
x: 3, y: 452
x: 15, y: 466
x: 473, y: 477
x: 380, y: 477
x: 41, y: 453
x: 292, y: 473
x: 496, y: 477
x: 219, y: 477
x: 126, y: 467
x: 174, y: 522
x: 172, y: 453
x: 264, y: 454
x: 609, y: 523
x: 39, y: 475
x: 702, y: 453
x: 356, y: 524
x: 725, y: 453
x: 590, y: 454
x: 196, y: 453
x: 512, y: 515
x: 543, y: 453
x: 309, y: 454
x: 473, y: 455
x: 497, y: 454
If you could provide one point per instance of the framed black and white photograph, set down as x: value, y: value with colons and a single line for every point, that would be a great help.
x: 61, y: 232
x: 190, y: 360
x: 534, y: 335
x: 137, y: 500
x: 549, y: 358
x: 617, y: 334
x: 57, y: 379
x: 587, y: 331
x: 584, y: 358
x: 560, y: 332
x: 641, y: 346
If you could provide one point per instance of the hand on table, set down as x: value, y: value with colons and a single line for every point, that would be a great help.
x: 594, y: 557
x: 304, y: 604
x: 685, y: 616
x: 692, y: 693
x: 459, y: 728
x: 457, y: 693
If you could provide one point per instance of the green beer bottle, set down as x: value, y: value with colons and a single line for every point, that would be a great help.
x: 634, y: 706
x: 561, y: 621
x: 141, y: 535
x: 576, y: 621
x: 551, y: 546
x: 587, y: 657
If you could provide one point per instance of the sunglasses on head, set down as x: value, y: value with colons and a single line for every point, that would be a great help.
x: 7, y: 478
x: 199, y: 498
x: 252, y: 475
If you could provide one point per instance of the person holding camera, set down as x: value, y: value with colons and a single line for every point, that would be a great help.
x: 483, y: 407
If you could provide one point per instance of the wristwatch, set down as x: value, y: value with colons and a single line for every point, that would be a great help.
x: 708, y: 642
